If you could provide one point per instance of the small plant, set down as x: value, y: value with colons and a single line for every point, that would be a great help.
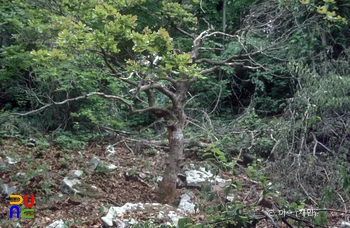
x: 64, y: 163
x: 47, y: 185
x: 255, y: 173
x: 151, y: 151
x: 68, y: 141
x: 103, y: 170
x: 133, y: 171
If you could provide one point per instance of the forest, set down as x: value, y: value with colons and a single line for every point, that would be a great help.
x: 178, y: 113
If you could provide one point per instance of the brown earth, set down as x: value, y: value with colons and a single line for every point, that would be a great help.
x: 113, y: 188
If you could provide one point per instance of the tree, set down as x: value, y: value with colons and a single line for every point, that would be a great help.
x: 99, y: 43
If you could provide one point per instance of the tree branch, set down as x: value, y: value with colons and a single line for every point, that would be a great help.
x: 131, y: 108
x: 184, y: 32
x: 160, y: 88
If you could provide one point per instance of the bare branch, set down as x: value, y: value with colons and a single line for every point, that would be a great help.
x: 122, y: 100
x: 184, y: 32
x: 270, y: 218
x: 220, y: 33
x: 206, y: 71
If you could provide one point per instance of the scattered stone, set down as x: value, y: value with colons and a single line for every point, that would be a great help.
x: 7, y: 190
x: 75, y: 173
x: 143, y: 175
x: 159, y: 178
x: 345, y: 224
x: 118, y: 223
x: 200, y: 175
x: 230, y: 198
x: 110, y: 150
x: 20, y: 176
x: 67, y: 185
x: 174, y: 217
x: 111, y: 167
x: 11, y: 161
x: 57, y: 224
x: 186, y: 205
x: 94, y: 162
x: 116, y: 215
x: 31, y: 143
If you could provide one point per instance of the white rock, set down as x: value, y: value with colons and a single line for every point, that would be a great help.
x: 114, y: 212
x: 186, y: 205
x: 174, y: 217
x: 11, y: 161
x: 75, y: 173
x: 94, y: 162
x: 111, y: 167
x: 57, y: 224
x: 200, y: 175
x: 110, y: 150
x: 67, y: 185
x: 345, y: 224
x: 230, y: 198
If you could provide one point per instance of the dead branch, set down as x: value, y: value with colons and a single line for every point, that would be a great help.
x: 122, y: 100
x: 270, y: 218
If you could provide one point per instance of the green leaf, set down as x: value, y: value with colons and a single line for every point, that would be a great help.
x: 184, y: 222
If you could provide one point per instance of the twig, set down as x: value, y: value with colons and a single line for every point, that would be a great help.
x: 273, y: 149
x: 302, y: 187
x: 127, y: 146
x: 271, y: 219
x: 286, y: 222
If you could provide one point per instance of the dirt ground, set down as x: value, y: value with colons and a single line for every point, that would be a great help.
x: 46, y: 168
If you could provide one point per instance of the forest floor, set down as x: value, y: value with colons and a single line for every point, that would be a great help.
x: 115, y: 188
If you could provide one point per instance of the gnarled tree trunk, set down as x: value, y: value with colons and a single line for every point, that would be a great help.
x: 167, y: 187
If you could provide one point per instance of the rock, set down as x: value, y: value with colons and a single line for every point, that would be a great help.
x: 118, y: 223
x: 344, y: 225
x: 110, y: 150
x: 115, y: 212
x: 31, y: 143
x: 116, y: 215
x: 142, y: 176
x: 20, y: 176
x: 67, y: 185
x: 7, y: 190
x: 94, y: 162
x: 111, y: 167
x: 75, y: 173
x: 159, y: 179
x: 186, y: 205
x: 11, y: 161
x: 230, y: 198
x: 200, y: 175
x: 57, y: 224
x: 174, y: 216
